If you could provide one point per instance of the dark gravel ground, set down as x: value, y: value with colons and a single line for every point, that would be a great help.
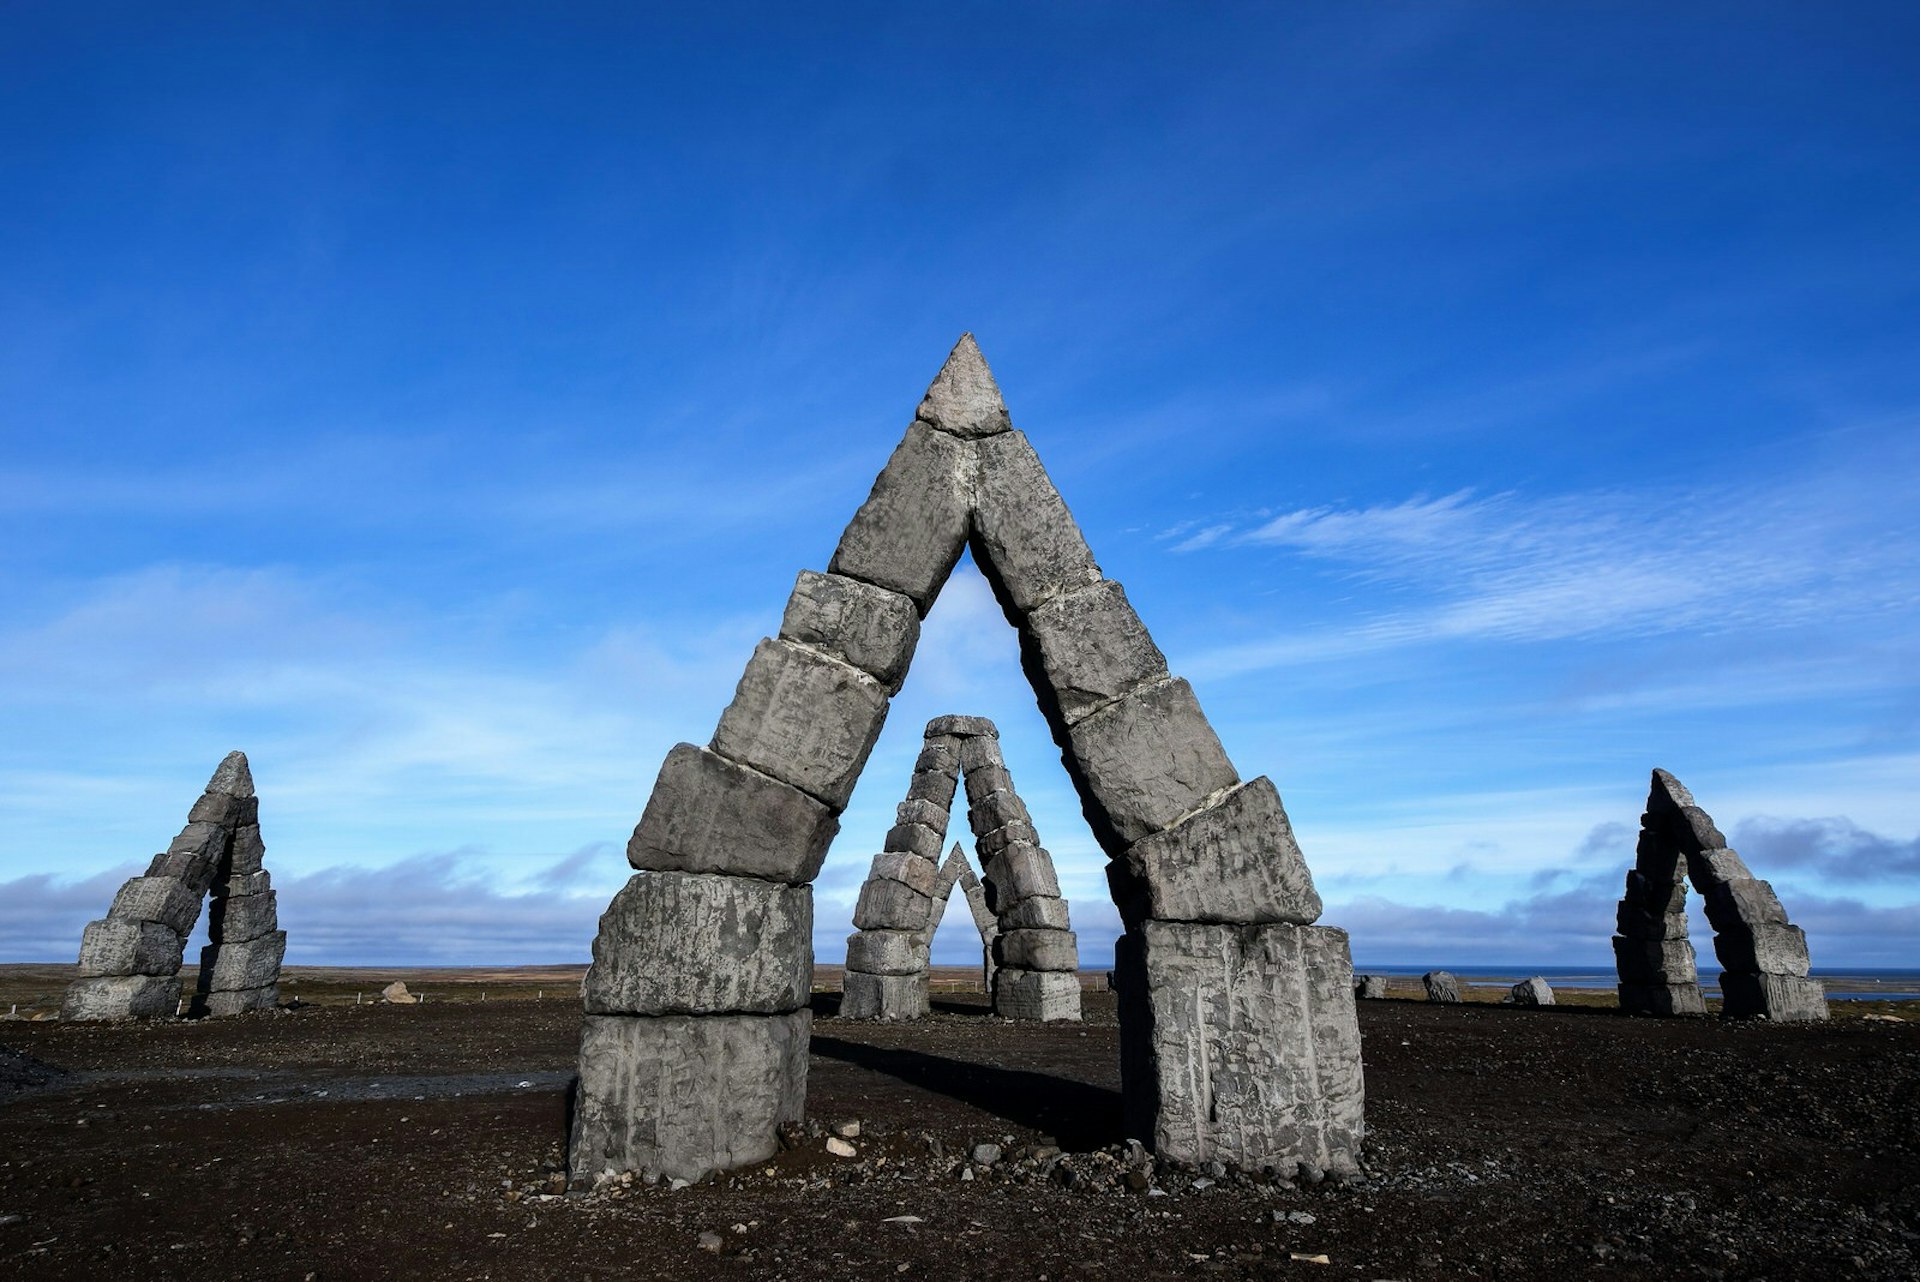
x: 424, y: 1142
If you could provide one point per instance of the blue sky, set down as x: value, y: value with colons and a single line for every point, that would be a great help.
x: 1482, y: 404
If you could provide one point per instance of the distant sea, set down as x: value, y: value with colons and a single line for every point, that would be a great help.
x: 1857, y: 983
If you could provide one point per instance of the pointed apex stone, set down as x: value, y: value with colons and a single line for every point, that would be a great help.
x: 956, y: 853
x: 964, y: 400
x: 1666, y: 787
x: 232, y: 778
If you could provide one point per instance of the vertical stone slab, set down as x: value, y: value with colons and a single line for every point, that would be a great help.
x: 1145, y: 762
x: 1024, y: 539
x: 910, y: 532
x: 871, y: 628
x: 708, y: 814
x: 804, y: 718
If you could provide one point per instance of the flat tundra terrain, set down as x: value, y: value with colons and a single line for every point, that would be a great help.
x: 343, y: 1141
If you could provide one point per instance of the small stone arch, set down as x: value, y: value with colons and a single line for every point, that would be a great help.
x: 130, y: 959
x: 1032, y: 958
x: 1764, y: 956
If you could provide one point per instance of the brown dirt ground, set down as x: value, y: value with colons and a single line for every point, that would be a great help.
x: 343, y: 1142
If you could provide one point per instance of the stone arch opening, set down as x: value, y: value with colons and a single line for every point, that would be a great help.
x: 1239, y: 1040
x: 1764, y: 956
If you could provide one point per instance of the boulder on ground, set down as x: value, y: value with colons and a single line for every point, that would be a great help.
x: 1441, y: 986
x: 397, y: 993
x: 1534, y: 991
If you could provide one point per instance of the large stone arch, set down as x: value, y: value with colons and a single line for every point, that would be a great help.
x: 1765, y: 957
x: 130, y: 959
x: 1033, y: 960
x: 1239, y: 1041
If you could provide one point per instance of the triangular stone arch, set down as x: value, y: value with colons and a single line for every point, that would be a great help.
x: 1239, y: 1041
x: 1765, y: 956
x: 130, y: 959
x: 1032, y: 957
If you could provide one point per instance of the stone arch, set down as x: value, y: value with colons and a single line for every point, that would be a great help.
x: 130, y: 959
x: 1239, y: 1040
x: 1765, y: 957
x: 1033, y: 960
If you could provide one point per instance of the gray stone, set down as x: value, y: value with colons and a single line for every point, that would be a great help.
x: 909, y: 533
x: 962, y: 728
x: 232, y: 776
x: 925, y: 813
x: 160, y: 899
x: 869, y: 627
x: 991, y: 845
x: 252, y: 963
x: 887, y: 952
x: 1441, y: 986
x: 693, y: 944
x: 1637, y: 924
x: 253, y: 883
x: 209, y: 839
x: 1049, y: 950
x: 1235, y: 861
x: 891, y: 905
x: 122, y: 997
x: 1662, y: 999
x: 1659, y: 896
x: 1531, y: 992
x: 983, y: 916
x: 234, y: 919
x: 1697, y: 832
x: 964, y: 399
x: 1021, y: 871
x: 978, y: 752
x: 917, y: 840
x: 1764, y: 948
x: 117, y: 946
x: 239, y: 1002
x: 922, y: 874
x: 195, y: 872
x: 997, y: 810
x: 1240, y: 1044
x: 1710, y: 867
x: 682, y: 1096
x: 865, y: 996
x: 1024, y: 539
x: 1784, y: 999
x: 804, y: 718
x: 1093, y: 649
x: 934, y: 787
x: 1371, y: 987
x: 1745, y: 902
x: 249, y: 852
x: 1036, y: 912
x: 1048, y: 995
x: 218, y: 808
x: 1654, y: 961
x: 986, y: 779
x: 708, y: 814
x: 1146, y: 762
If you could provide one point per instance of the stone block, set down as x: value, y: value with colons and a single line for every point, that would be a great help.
x: 1750, y: 902
x: 887, y: 952
x: 925, y: 813
x: 1783, y: 999
x: 117, y: 946
x: 1048, y: 995
x: 891, y: 905
x: 200, y: 838
x: 1235, y: 861
x: 962, y: 728
x: 909, y: 533
x: 698, y: 944
x: 922, y: 874
x: 195, y: 872
x: 1049, y: 950
x: 997, y: 810
x: 983, y: 918
x: 1371, y: 987
x: 248, y: 850
x: 978, y: 752
x: 1147, y: 761
x: 1036, y: 912
x: 1654, y: 961
x: 1710, y: 867
x: 218, y: 808
x: 1024, y: 538
x: 803, y: 718
x: 917, y: 840
x: 1021, y: 871
x: 1092, y: 649
x: 1441, y: 986
x: 865, y: 996
x: 253, y: 883
x: 1240, y: 1044
x: 122, y: 997
x: 1637, y: 924
x: 711, y: 815
x: 1657, y: 895
x: 933, y: 787
x: 234, y: 919
x: 1531, y: 992
x: 991, y: 844
x: 683, y: 1096
x: 1662, y: 999
x: 238, y: 1002
x: 985, y: 780
x: 964, y: 400
x: 166, y: 900
x: 252, y: 963
x: 1767, y: 948
x: 869, y: 627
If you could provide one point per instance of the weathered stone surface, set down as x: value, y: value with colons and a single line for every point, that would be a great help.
x: 1239, y: 1044
x: 997, y: 810
x: 1036, y: 912
x: 962, y: 728
x: 925, y: 813
x: 1654, y: 961
x: 195, y: 872
x: 1787, y: 999
x: 1441, y: 986
x: 1021, y: 871
x: 1770, y: 949
x: 990, y: 845
x: 917, y: 840
x: 983, y: 917
x: 985, y: 780
x: 1024, y: 539
x: 1147, y: 761
x: 1371, y: 987
x: 1093, y: 648
x: 887, y: 952
x: 253, y: 963
x: 1662, y: 999
x: 1732, y: 904
x: 922, y: 874
x: 909, y: 533
x: 682, y: 1096
x: 978, y: 752
x: 396, y: 994
x: 234, y: 919
x: 964, y: 399
x: 891, y: 905
x: 1055, y: 950
x: 232, y: 776
x: 1637, y: 924
x: 166, y: 900
x: 253, y: 883
x: 239, y: 1002
x: 215, y: 808
x: 1235, y: 861
x: 1709, y: 867
x: 1532, y: 992
x: 116, y: 946
x: 122, y: 997
x: 871, y: 628
x: 248, y: 850
x: 934, y: 787
x: 866, y: 996
x: 1697, y: 832
x: 803, y: 718
x: 708, y: 814
x: 201, y: 839
x: 1049, y: 995
x: 1661, y: 896
x: 687, y: 943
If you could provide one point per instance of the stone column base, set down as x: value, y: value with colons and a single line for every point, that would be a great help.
x: 1784, y: 999
x: 122, y: 997
x: 1662, y: 999
x: 1036, y: 994
x: 865, y: 996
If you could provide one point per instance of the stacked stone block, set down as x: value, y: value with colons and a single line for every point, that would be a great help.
x: 1764, y: 957
x: 130, y: 960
